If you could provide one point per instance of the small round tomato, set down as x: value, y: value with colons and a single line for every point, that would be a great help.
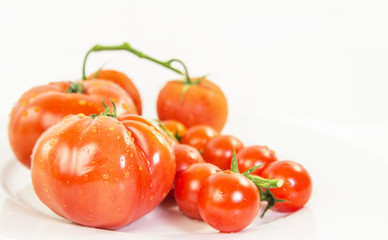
x: 297, y: 186
x: 252, y: 156
x: 123, y: 81
x: 197, y: 102
x: 228, y: 201
x: 103, y: 172
x: 45, y: 105
x: 176, y: 128
x: 185, y: 156
x: 187, y: 186
x: 219, y: 150
x: 198, y: 136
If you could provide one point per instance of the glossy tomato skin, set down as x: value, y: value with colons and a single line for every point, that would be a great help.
x: 219, y: 150
x: 297, y: 186
x: 187, y: 186
x: 228, y: 201
x: 123, y: 81
x: 102, y: 172
x: 176, y: 128
x: 185, y: 156
x: 198, y: 136
x: 203, y: 103
x: 43, y: 106
x: 255, y: 155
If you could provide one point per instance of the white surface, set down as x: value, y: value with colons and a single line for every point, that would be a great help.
x: 317, y: 64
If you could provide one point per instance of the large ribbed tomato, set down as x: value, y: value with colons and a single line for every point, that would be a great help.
x: 45, y: 105
x: 103, y: 172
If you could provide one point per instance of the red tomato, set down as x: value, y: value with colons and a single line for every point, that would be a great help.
x: 187, y: 186
x: 297, y: 186
x: 176, y: 128
x: 102, y: 172
x: 123, y: 81
x: 198, y: 136
x: 185, y: 156
x: 219, y: 150
x: 228, y: 201
x: 252, y: 156
x: 202, y: 103
x: 43, y: 106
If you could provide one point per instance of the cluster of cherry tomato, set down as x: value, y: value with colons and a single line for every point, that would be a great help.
x: 95, y: 161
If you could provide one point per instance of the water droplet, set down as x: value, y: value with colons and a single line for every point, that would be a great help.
x: 52, y: 143
x: 105, y: 176
x: 80, y: 115
x: 24, y: 103
x: 106, y: 182
x: 111, y: 129
x: 46, y: 190
x: 132, y: 139
x: 37, y: 109
x: 94, y: 130
x: 125, y: 106
x: 24, y: 114
x: 140, y: 168
x: 118, y: 137
x: 152, y: 196
x: 127, y: 174
x: 129, y: 133
x: 131, y: 155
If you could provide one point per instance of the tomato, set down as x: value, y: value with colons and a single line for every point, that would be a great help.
x: 176, y: 128
x: 102, y: 172
x: 45, y: 105
x: 251, y: 156
x: 185, y: 156
x: 198, y: 136
x: 187, y: 186
x: 219, y: 150
x: 228, y: 201
x: 123, y: 81
x: 193, y: 103
x: 296, y: 189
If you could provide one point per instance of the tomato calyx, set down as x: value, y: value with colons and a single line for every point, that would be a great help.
x: 260, y: 183
x: 106, y: 111
x: 76, y: 87
x: 165, y: 129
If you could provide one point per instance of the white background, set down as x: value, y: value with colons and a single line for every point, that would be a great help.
x: 320, y: 64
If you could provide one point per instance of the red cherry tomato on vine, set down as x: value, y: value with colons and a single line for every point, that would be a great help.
x: 45, y: 105
x: 219, y: 150
x: 103, y: 172
x: 192, y: 103
x: 187, y: 186
x: 297, y: 186
x: 251, y: 156
x: 198, y: 136
x: 228, y: 201
x: 123, y: 81
x: 185, y: 156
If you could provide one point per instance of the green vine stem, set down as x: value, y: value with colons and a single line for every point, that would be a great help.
x: 127, y: 47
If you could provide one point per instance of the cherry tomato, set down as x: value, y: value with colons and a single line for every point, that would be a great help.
x: 251, y: 156
x: 43, y: 106
x: 176, y: 128
x: 219, y: 150
x: 228, y: 201
x: 123, y: 81
x: 102, y: 172
x: 192, y: 104
x: 187, y: 186
x: 297, y: 186
x: 198, y: 136
x: 185, y: 156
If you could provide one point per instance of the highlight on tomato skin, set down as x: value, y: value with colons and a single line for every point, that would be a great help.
x: 296, y: 189
x: 219, y: 150
x: 45, y: 105
x: 102, y: 172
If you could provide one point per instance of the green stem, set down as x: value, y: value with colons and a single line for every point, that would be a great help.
x: 127, y: 47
